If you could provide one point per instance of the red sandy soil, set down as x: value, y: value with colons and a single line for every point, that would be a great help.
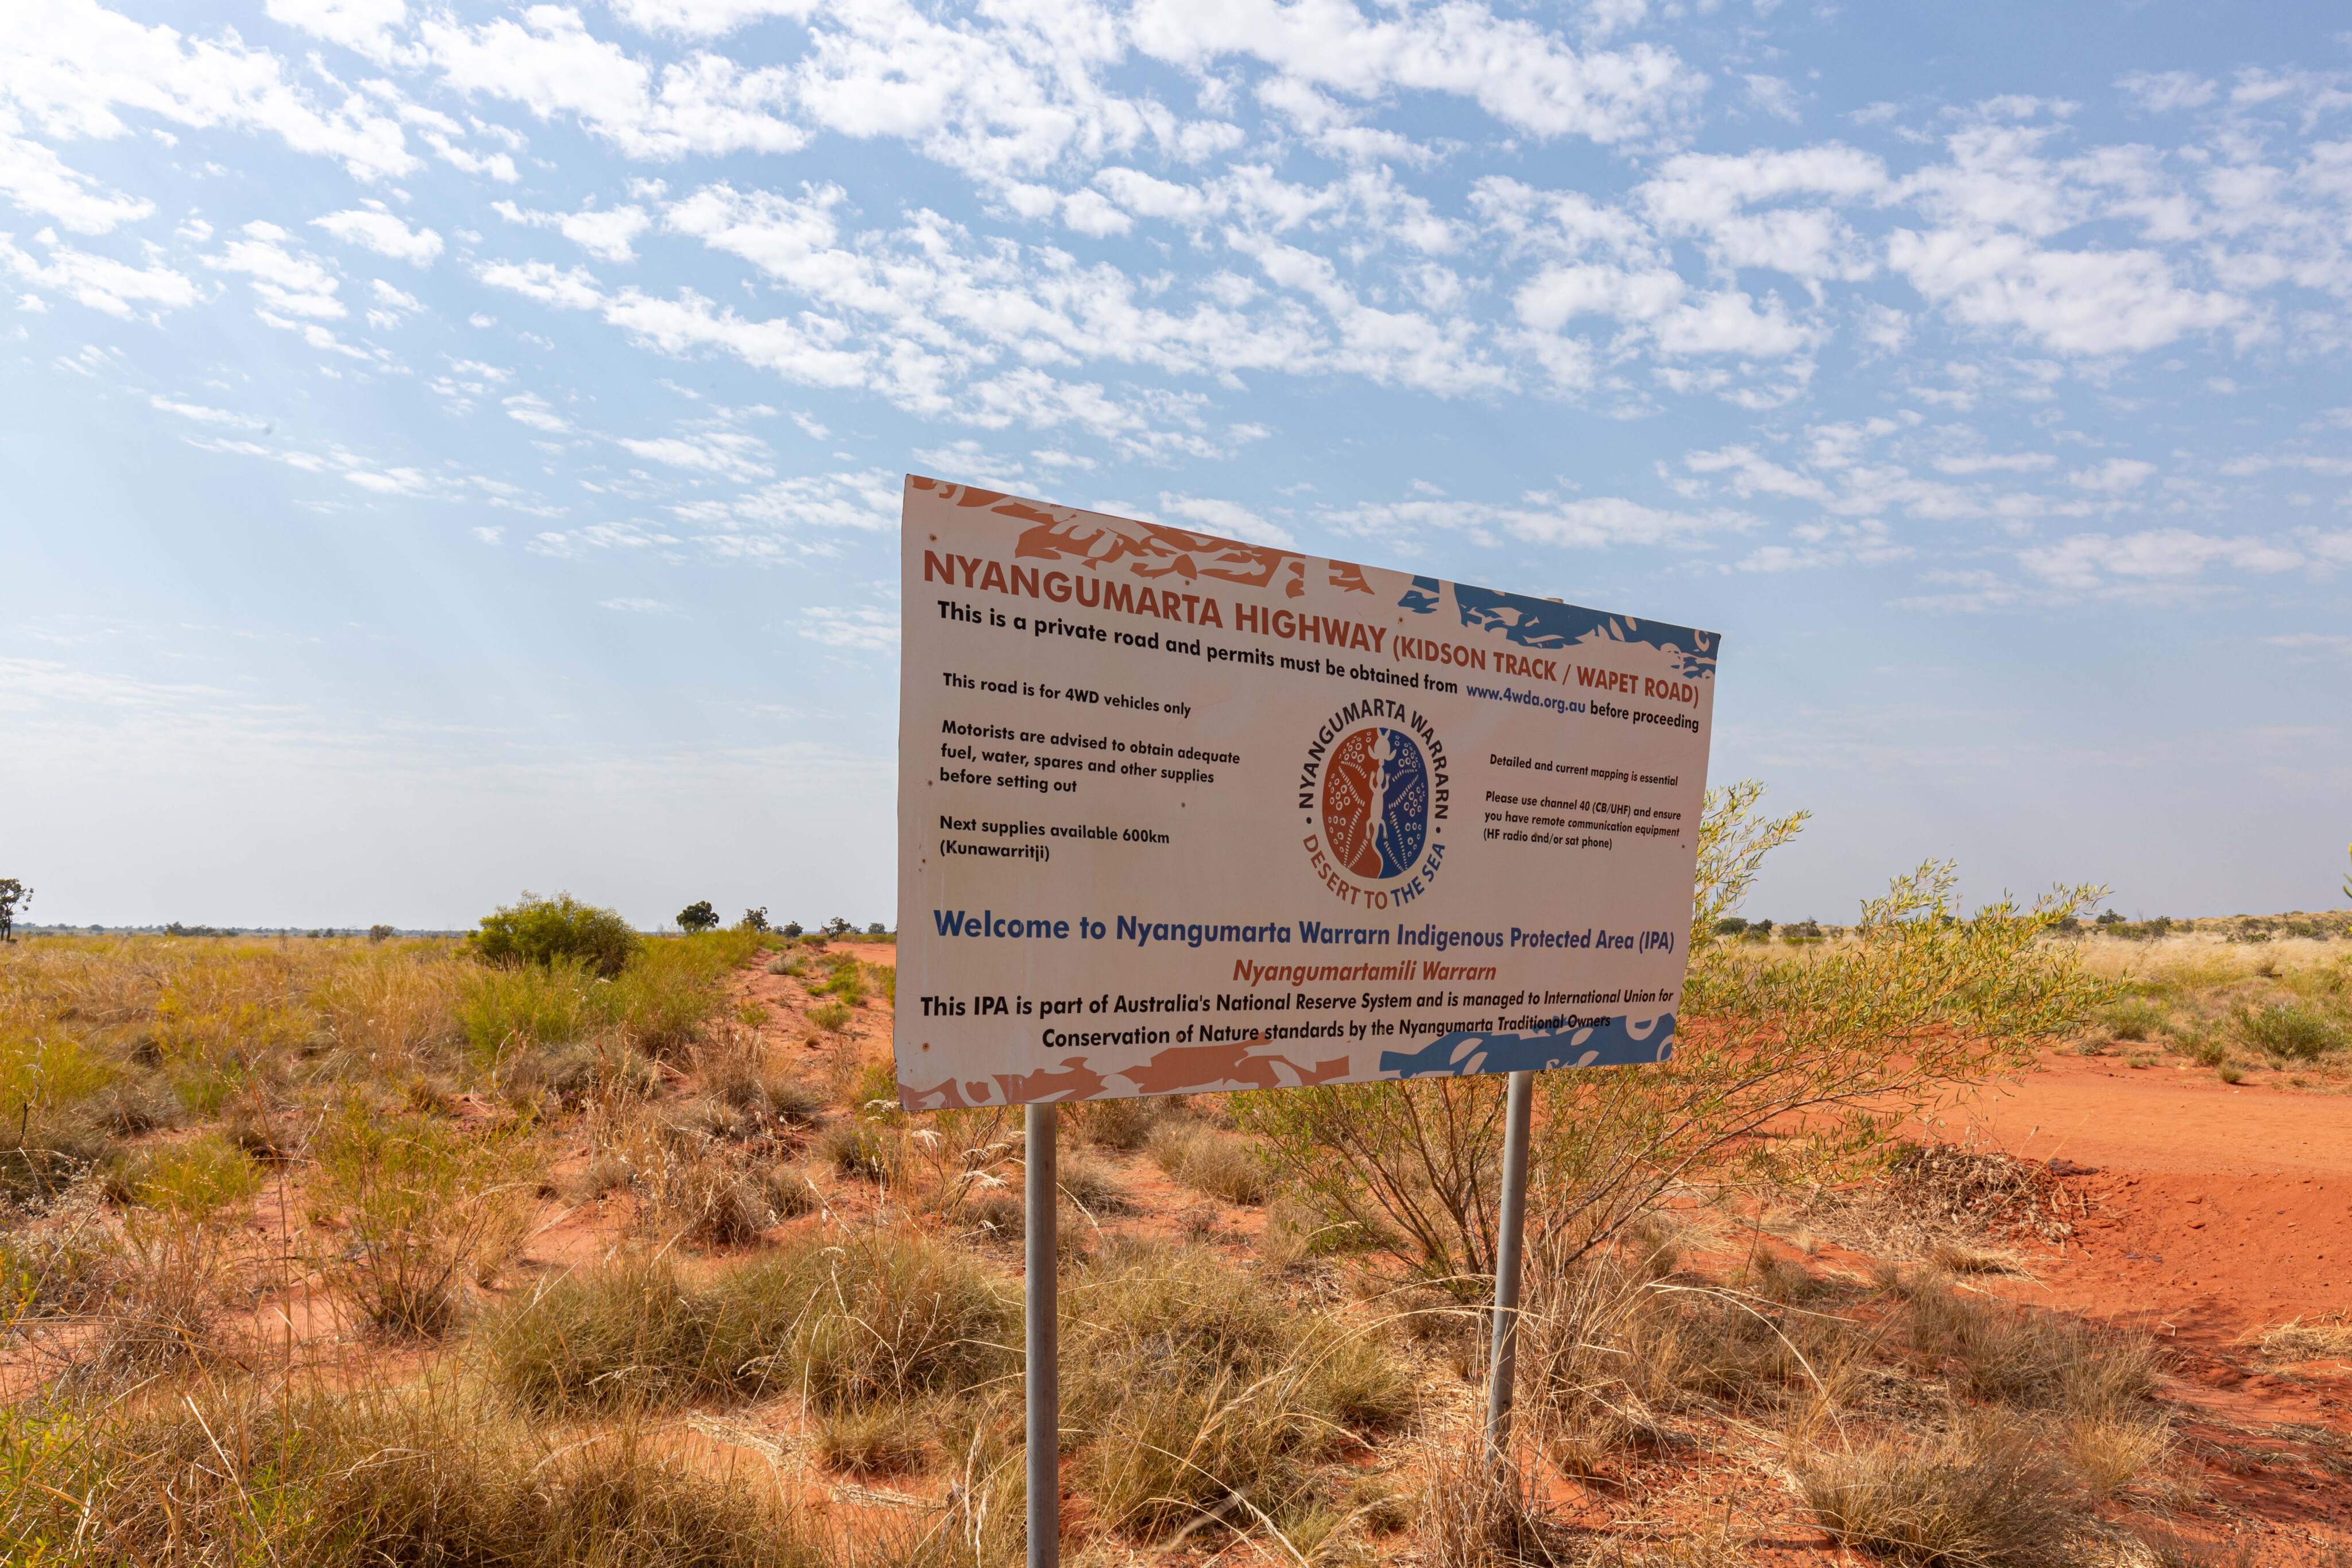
x: 2216, y: 1211
x: 2220, y: 1210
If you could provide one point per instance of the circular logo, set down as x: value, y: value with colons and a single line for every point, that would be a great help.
x: 1375, y: 803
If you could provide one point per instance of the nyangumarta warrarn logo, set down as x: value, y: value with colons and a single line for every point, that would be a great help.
x: 1371, y: 788
x: 1376, y: 802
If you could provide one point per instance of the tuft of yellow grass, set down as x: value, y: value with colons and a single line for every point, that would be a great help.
x: 2299, y: 1341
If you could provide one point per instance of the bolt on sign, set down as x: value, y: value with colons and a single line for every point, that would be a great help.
x: 1179, y: 814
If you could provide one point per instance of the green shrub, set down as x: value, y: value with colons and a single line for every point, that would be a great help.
x: 2135, y: 1018
x: 847, y: 984
x: 539, y: 1004
x: 534, y: 930
x: 1842, y: 1040
x: 425, y: 1206
x: 2290, y: 1032
x: 191, y: 1181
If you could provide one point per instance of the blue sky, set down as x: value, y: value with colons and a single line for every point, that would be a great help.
x: 456, y: 448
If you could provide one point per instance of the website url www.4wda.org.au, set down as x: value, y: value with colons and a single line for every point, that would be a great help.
x: 1596, y: 708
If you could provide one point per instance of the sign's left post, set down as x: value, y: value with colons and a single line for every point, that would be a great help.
x: 1042, y: 1238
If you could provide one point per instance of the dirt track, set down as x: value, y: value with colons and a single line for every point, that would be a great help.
x: 2221, y: 1209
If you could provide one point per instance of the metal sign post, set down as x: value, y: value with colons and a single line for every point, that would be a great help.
x: 1501, y: 1376
x: 1040, y: 1236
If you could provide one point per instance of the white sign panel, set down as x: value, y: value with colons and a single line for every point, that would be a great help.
x: 1180, y: 814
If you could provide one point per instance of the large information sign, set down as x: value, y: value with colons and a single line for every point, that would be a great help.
x: 1181, y: 814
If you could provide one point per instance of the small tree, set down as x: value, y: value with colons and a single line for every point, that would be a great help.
x: 1785, y: 1070
x: 792, y: 928
x: 697, y: 916
x: 878, y: 929
x: 535, y: 930
x: 754, y: 919
x: 13, y: 896
x: 379, y: 933
x: 837, y: 926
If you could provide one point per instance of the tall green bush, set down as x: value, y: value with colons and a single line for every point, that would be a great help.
x: 535, y: 930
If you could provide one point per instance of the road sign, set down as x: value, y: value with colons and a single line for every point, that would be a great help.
x: 1181, y: 814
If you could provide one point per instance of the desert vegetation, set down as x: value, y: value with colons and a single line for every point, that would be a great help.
x: 565, y: 1243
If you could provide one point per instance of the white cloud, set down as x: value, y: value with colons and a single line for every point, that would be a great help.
x: 1517, y: 72
x: 1716, y: 196
x: 296, y: 283
x: 1747, y: 474
x: 384, y: 234
x: 865, y: 629
x: 1599, y: 523
x: 2162, y: 91
x: 2160, y: 555
x: 2318, y: 641
x: 705, y: 18
x: 730, y: 454
x: 571, y: 288
x: 866, y: 501
x: 100, y: 282
x: 530, y: 409
x: 1660, y: 305
x: 1090, y: 213
x: 1775, y: 97
x: 1228, y: 519
x: 38, y: 180
x: 206, y: 415
x: 362, y: 25
x: 2073, y: 301
x: 2113, y: 477
x: 638, y: 606
x: 548, y: 63
x: 604, y: 233
x: 392, y: 481
x: 1998, y: 463
x: 71, y: 64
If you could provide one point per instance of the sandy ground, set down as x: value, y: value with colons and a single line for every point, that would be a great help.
x: 2220, y: 1209
x: 2216, y: 1211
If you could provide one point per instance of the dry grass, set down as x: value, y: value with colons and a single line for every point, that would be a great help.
x: 2110, y: 1453
x: 2299, y: 1341
x: 872, y: 1440
x: 1948, y: 1190
x: 229, y: 1474
x: 1122, y: 1123
x: 1195, y: 1396
x: 1993, y: 1351
x: 1222, y: 1164
x: 1475, y: 1515
x: 1091, y: 1185
x: 1984, y: 1495
x: 882, y: 1316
